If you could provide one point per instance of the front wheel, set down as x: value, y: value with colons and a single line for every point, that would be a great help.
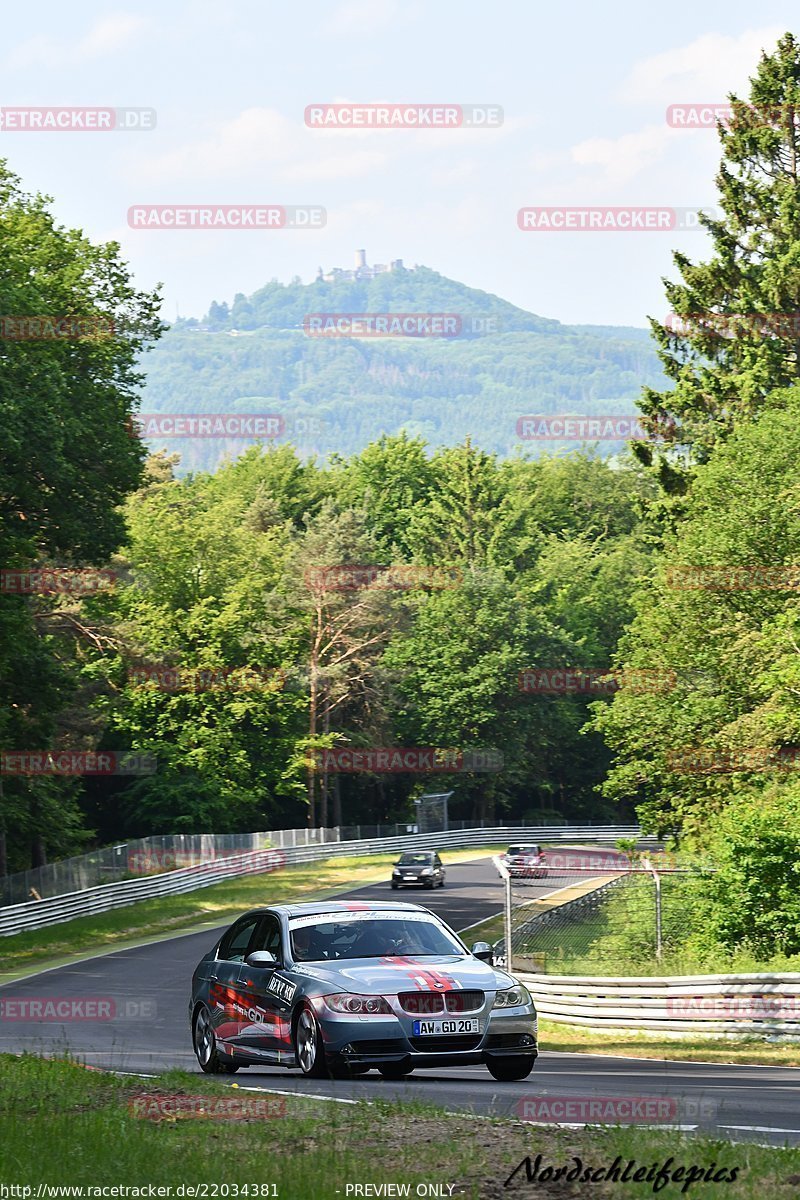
x: 506, y: 1070
x: 441, y: 883
x: 308, y: 1045
x: 395, y: 886
x: 394, y: 1070
x: 205, y: 1047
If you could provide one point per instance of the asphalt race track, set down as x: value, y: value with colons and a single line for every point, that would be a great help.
x: 150, y: 986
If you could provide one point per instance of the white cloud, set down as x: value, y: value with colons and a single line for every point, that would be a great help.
x: 258, y: 138
x: 107, y: 35
x: 333, y: 166
x: 622, y: 159
x: 367, y: 16
x: 702, y: 71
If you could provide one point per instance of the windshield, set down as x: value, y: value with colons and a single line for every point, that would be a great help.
x: 370, y: 937
x: 415, y: 860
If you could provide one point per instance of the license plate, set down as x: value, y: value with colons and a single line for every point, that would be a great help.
x: 412, y: 878
x: 437, y: 1028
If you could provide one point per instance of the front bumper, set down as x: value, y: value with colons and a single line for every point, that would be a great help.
x: 377, y: 1040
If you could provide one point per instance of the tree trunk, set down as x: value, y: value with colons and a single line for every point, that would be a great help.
x: 323, y: 816
x: 337, y: 802
x: 3, y: 851
x: 313, y: 702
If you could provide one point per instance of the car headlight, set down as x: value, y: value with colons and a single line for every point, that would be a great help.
x: 364, y: 1006
x: 426, y: 871
x: 395, y: 872
x: 512, y: 997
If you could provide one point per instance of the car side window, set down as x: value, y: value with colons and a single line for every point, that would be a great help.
x: 233, y: 946
x: 437, y: 862
x: 268, y: 937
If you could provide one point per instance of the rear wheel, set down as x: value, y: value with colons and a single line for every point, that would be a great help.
x: 394, y: 1070
x: 308, y: 1045
x: 205, y: 1047
x: 506, y: 1070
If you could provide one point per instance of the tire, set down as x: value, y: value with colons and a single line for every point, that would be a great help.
x: 395, y: 886
x: 205, y: 1047
x: 394, y: 1070
x: 441, y: 883
x: 429, y: 884
x: 506, y: 1070
x: 308, y: 1045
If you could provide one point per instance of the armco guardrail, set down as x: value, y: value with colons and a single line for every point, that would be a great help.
x: 37, y: 914
x: 751, y: 1004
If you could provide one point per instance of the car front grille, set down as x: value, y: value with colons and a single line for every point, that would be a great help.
x: 446, y: 1044
x: 461, y: 1002
x: 421, y: 1003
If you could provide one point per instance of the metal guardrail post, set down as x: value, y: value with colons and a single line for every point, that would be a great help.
x: 504, y: 875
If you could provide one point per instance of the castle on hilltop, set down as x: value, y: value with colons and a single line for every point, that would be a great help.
x: 361, y: 271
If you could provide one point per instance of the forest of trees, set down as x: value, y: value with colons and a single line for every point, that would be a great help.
x: 340, y: 394
x: 277, y: 607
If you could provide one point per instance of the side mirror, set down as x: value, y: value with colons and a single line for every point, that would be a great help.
x: 484, y: 952
x: 261, y: 958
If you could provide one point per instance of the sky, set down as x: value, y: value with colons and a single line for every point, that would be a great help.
x: 583, y: 89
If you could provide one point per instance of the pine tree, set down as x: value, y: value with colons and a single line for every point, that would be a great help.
x: 725, y: 350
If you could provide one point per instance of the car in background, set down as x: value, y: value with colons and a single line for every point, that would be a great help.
x: 418, y: 868
x: 526, y: 860
x: 341, y: 988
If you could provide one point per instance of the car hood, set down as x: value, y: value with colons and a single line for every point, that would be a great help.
x: 387, y: 976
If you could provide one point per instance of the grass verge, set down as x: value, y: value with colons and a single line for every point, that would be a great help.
x: 309, y: 1150
x: 755, y: 1051
x: 165, y: 916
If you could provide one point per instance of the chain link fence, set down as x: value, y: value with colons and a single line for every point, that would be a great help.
x: 628, y: 924
x: 169, y: 852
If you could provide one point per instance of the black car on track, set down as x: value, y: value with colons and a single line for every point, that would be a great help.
x: 418, y: 868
